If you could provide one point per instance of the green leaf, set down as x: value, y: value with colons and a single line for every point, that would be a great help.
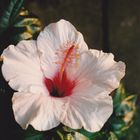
x: 119, y: 95
x: 10, y: 14
x: 31, y: 134
x: 26, y: 26
x: 129, y: 108
x: 34, y: 137
x: 60, y: 135
x: 82, y: 131
x: 124, y: 105
x: 118, y: 126
x: 112, y: 136
x: 124, y: 110
x: 89, y: 135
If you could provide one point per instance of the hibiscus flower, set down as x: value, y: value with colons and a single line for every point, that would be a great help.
x: 59, y: 80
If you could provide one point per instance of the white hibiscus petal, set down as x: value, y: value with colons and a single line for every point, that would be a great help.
x: 54, y: 39
x: 100, y: 68
x: 36, y: 110
x: 61, y: 55
x: 21, y: 66
x: 89, y: 108
x: 108, y: 70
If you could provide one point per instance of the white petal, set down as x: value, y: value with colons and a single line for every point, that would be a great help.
x: 100, y: 68
x: 21, y: 66
x: 37, y: 110
x: 89, y: 107
x: 54, y: 39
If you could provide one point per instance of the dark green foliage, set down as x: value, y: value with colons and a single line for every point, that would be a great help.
x: 17, y: 24
x: 10, y: 14
x: 26, y: 26
x: 31, y: 134
x: 123, y: 115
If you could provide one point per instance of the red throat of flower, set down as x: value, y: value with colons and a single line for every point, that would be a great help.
x: 61, y: 85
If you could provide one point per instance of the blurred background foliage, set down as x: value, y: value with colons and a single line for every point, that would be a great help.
x: 113, y: 26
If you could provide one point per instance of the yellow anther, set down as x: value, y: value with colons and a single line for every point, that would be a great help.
x: 77, y: 56
x: 57, y: 62
x: 77, y: 47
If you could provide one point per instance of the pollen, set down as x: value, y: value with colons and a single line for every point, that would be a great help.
x: 69, y: 55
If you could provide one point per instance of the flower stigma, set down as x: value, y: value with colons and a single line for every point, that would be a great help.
x: 61, y: 85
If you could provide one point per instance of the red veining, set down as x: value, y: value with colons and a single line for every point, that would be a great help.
x: 61, y: 85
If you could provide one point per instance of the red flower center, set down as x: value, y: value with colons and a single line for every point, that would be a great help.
x: 61, y: 85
